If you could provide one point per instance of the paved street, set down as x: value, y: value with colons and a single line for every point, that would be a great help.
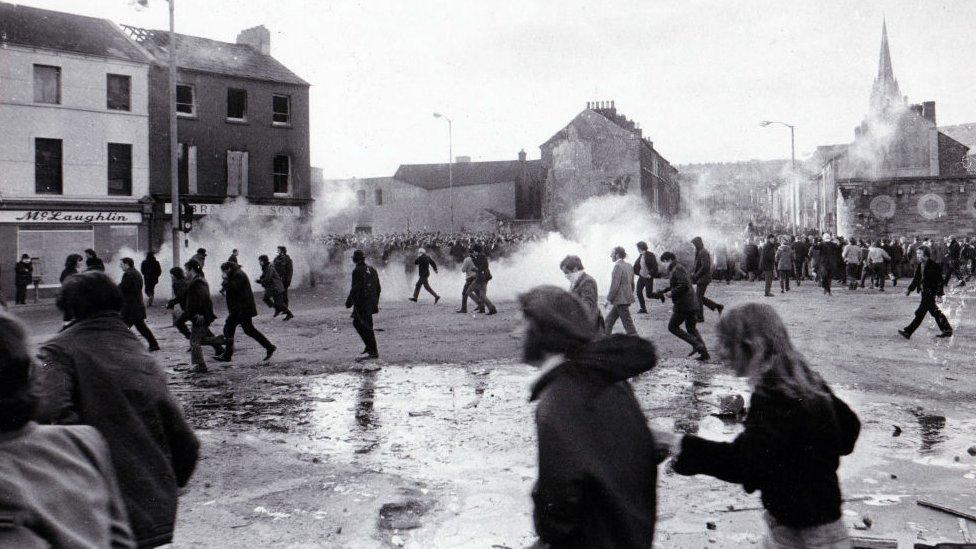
x: 436, y: 449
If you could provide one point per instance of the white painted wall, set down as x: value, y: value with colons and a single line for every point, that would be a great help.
x: 82, y: 121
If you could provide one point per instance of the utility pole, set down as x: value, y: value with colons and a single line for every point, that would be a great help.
x: 174, y: 162
x: 794, y: 189
x: 450, y: 162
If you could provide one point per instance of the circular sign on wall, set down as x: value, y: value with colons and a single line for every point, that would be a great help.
x: 971, y: 205
x: 883, y: 206
x: 931, y: 206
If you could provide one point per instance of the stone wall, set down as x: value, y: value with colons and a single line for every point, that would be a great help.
x: 907, y: 207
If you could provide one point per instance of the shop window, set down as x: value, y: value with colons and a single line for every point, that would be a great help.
x: 118, y: 89
x: 185, y: 104
x: 47, y: 166
x: 47, y: 84
x: 379, y: 197
x: 236, y: 104
x: 281, y: 174
x: 50, y: 247
x: 119, y: 169
x: 361, y: 197
x: 120, y: 237
x: 281, y: 105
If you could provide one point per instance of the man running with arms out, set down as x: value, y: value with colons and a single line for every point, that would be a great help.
x: 424, y: 264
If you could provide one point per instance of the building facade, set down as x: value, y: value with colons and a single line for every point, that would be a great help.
x: 74, y: 159
x: 242, y: 127
x: 602, y: 152
x: 902, y: 174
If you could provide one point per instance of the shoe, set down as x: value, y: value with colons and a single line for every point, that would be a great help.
x: 368, y: 356
x: 462, y: 311
x: 492, y: 312
x: 693, y: 352
x: 153, y: 348
x: 271, y: 351
x: 961, y: 284
x: 945, y: 334
x: 704, y: 357
x: 770, y: 295
x: 276, y: 313
x: 642, y: 312
x: 479, y: 310
x: 199, y: 369
x: 436, y: 299
x: 720, y: 308
x: 288, y: 316
x: 881, y: 290
x: 414, y: 299
x: 904, y: 334
x: 222, y: 358
x: 661, y: 297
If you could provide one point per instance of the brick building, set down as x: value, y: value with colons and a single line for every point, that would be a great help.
x: 902, y: 174
x: 602, y: 152
x: 74, y: 164
x: 243, y: 126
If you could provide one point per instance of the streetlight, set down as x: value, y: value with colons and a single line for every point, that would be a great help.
x: 174, y: 163
x: 794, y: 199
x: 450, y: 161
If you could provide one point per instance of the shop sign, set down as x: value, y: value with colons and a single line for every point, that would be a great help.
x: 69, y: 216
x: 249, y: 210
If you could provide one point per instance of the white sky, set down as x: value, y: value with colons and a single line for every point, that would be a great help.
x: 697, y: 75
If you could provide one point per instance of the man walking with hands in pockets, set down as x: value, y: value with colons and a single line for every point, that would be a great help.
x: 621, y: 294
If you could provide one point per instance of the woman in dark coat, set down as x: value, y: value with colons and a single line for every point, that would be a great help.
x: 794, y: 436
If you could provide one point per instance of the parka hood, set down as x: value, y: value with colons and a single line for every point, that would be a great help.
x: 604, y: 362
x: 698, y: 243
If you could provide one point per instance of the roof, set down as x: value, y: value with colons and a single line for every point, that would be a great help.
x: 435, y: 176
x: 205, y: 55
x: 55, y: 30
x: 963, y: 133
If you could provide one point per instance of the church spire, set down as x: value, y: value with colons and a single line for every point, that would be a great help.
x: 885, y: 93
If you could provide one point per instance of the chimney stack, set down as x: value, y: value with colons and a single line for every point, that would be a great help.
x: 521, y: 155
x: 258, y: 38
x: 928, y: 111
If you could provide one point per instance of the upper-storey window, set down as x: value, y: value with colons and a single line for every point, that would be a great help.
x: 47, y: 166
x: 47, y: 84
x: 236, y: 104
x: 185, y: 104
x: 118, y: 88
x: 281, y: 105
x: 120, y: 169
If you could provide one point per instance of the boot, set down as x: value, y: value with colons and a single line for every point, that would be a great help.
x: 228, y: 352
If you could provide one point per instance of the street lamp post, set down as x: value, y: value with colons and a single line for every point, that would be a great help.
x: 794, y: 198
x: 450, y: 162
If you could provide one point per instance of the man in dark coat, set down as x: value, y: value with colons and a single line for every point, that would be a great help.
x: 424, y: 264
x: 830, y: 255
x: 200, y: 257
x: 598, y: 460
x: 285, y: 269
x: 767, y: 262
x: 95, y: 372
x: 750, y: 252
x: 800, y: 250
x: 233, y: 257
x: 179, y: 284
x: 133, y: 308
x: 198, y: 310
x: 929, y: 281
x: 479, y: 287
x: 93, y: 262
x: 364, y: 298
x: 23, y: 276
x: 274, y: 288
x: 151, y: 271
x: 686, y: 307
x: 701, y: 277
x: 645, y: 269
x: 240, y: 310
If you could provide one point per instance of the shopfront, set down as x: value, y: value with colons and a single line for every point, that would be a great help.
x: 48, y: 235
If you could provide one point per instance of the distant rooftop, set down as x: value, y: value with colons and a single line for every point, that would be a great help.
x: 435, y: 176
x: 205, y: 55
x: 55, y: 30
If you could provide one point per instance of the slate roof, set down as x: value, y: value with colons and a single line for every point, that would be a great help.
x: 213, y: 56
x: 963, y: 133
x: 55, y: 30
x: 435, y: 176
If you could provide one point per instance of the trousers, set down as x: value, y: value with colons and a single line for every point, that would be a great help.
x: 247, y: 325
x: 363, y: 323
x: 832, y: 535
x: 623, y: 313
x: 690, y: 334
x: 929, y: 306
x: 423, y: 282
x: 144, y: 331
x: 704, y: 301
x: 645, y: 287
x: 479, y: 293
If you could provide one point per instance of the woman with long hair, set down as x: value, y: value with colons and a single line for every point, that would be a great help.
x: 70, y: 266
x: 794, y: 435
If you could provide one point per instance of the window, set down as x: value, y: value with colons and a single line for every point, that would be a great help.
x: 237, y: 164
x: 236, y: 104
x: 281, y: 105
x: 282, y: 170
x: 47, y: 166
x: 47, y: 84
x: 184, y: 100
x: 119, y: 169
x: 361, y: 197
x: 118, y: 88
x: 49, y: 247
x: 379, y: 197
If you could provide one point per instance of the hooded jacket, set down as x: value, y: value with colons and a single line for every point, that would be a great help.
x: 597, y: 457
x: 702, y: 273
x: 789, y: 451
x: 96, y: 372
x: 133, y: 307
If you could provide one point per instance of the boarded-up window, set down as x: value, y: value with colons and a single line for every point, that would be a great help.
x: 282, y: 172
x: 188, y: 168
x: 236, y: 173
x: 118, y: 89
x: 119, y: 169
x: 236, y: 104
x: 47, y: 166
x: 47, y: 84
x: 281, y: 105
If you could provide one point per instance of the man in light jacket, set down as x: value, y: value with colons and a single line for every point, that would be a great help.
x: 620, y: 296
